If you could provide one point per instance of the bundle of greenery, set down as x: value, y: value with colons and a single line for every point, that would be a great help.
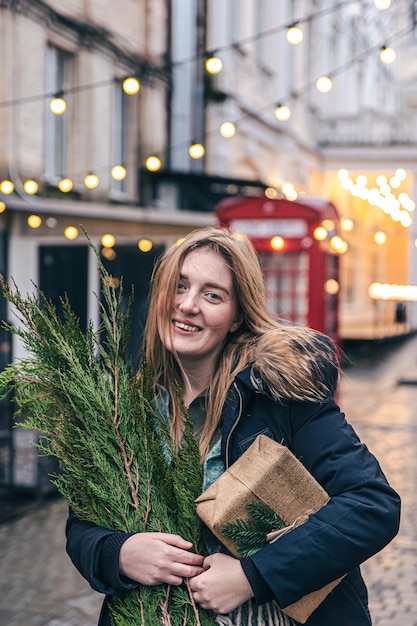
x: 119, y: 467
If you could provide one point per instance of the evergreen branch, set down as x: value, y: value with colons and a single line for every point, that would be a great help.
x: 120, y: 468
x: 249, y: 534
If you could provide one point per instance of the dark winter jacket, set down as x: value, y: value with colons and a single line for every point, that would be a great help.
x: 361, y: 517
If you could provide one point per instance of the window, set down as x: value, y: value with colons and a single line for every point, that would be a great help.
x: 119, y: 134
x: 57, y: 79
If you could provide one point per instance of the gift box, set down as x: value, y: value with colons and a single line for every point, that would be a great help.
x: 267, y: 472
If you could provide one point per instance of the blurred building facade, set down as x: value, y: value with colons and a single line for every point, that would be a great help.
x: 183, y: 138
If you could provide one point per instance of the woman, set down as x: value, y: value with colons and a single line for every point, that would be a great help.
x: 242, y: 373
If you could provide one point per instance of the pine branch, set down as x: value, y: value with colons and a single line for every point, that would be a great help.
x: 120, y: 468
x: 249, y: 534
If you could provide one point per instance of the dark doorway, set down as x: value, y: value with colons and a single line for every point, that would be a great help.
x: 134, y: 269
x: 63, y: 270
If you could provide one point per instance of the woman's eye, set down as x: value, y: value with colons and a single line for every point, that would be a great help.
x: 213, y: 296
x: 180, y: 286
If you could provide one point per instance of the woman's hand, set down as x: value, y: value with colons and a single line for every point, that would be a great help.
x: 154, y: 558
x: 223, y: 586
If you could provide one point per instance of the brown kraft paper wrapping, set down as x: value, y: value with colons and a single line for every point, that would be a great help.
x: 269, y: 472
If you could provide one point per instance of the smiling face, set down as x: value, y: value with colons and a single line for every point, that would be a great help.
x: 204, y: 311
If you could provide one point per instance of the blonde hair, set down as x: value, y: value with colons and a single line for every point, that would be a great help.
x: 257, y: 336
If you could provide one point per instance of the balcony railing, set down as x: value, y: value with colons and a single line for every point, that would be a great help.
x: 370, y: 129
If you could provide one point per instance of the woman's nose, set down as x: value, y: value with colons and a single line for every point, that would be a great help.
x: 188, y: 302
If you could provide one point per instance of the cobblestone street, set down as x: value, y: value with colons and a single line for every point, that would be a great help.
x: 40, y: 587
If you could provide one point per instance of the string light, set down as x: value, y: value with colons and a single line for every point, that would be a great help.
x: 282, y: 112
x: 71, y: 233
x: 380, y: 237
x: 382, y: 5
x: 295, y: 35
x: 91, y: 181
x: 131, y: 86
x: 338, y: 244
x: 6, y: 187
x: 2, y: 207
x: 331, y: 286
x: 346, y: 224
x: 320, y: 233
x: 277, y: 243
x: 65, y: 185
x: 387, y: 55
x: 196, y: 151
x: 227, y: 130
x: 108, y: 240
x: 153, y: 163
x: 57, y: 105
x: 271, y: 193
x: 145, y: 245
x: 118, y: 172
x: 289, y: 191
x: 30, y: 187
x: 214, y: 65
x: 324, y: 84
x: 109, y: 254
x: 34, y: 221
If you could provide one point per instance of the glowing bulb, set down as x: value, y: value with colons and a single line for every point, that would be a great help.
x: 91, y: 181
x: 336, y: 243
x: 227, y: 130
x: 131, y: 86
x: 394, y: 182
x: 289, y: 191
x: 118, y: 172
x: 361, y: 180
x: 387, y: 55
x: 382, y: 5
x: 320, y: 233
x: 214, y: 65
x: 30, y: 186
x: 109, y: 254
x: 108, y: 240
x: 6, y: 187
x: 34, y: 221
x: 401, y: 174
x: 2, y: 207
x: 324, y: 84
x: 145, y: 245
x: 343, y: 174
x: 271, y: 193
x: 282, y: 112
x: 381, y: 180
x: 71, y: 233
x: 153, y: 163
x: 295, y: 35
x: 196, y: 151
x: 380, y: 237
x: 346, y: 224
x: 65, y: 185
x: 58, y: 106
x: 277, y: 243
x: 331, y: 286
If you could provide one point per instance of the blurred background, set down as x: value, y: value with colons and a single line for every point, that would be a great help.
x: 293, y: 121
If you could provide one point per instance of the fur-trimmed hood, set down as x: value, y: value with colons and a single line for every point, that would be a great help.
x: 295, y: 363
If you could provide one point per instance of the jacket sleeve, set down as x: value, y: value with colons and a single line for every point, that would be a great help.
x: 361, y: 517
x: 94, y: 551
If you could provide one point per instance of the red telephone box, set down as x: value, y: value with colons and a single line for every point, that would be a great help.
x: 299, y: 262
